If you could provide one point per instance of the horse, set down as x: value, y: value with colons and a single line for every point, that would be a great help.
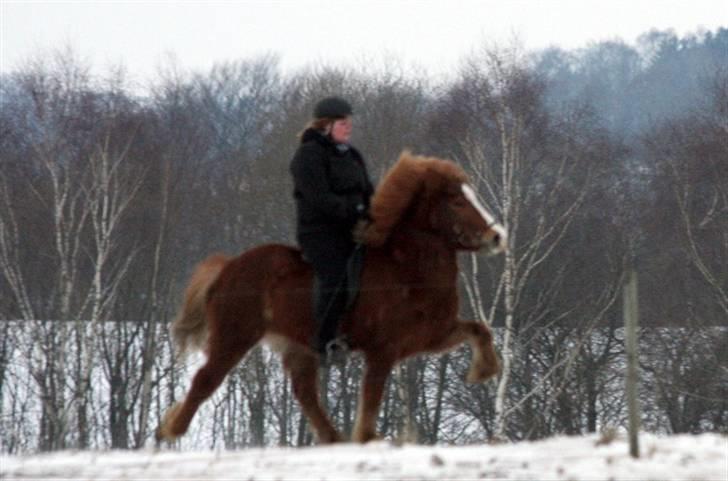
x: 423, y: 213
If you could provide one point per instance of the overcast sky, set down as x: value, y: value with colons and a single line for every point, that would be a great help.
x: 431, y: 34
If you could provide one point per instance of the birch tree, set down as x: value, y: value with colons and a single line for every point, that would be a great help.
x: 80, y: 187
x: 534, y: 171
x: 56, y: 97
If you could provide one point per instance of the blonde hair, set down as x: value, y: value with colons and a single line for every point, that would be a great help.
x: 317, y: 124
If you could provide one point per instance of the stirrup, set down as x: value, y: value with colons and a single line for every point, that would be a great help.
x: 336, y: 351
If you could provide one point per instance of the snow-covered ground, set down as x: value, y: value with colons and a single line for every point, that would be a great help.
x: 703, y: 457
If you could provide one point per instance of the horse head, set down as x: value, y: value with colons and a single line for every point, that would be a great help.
x: 434, y: 195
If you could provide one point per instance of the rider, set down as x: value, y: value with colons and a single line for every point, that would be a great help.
x: 332, y: 191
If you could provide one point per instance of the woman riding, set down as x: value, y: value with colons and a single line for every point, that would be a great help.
x: 332, y: 191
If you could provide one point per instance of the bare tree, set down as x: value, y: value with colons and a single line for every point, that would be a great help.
x: 695, y: 151
x: 56, y: 96
x: 690, y: 184
x: 535, y: 170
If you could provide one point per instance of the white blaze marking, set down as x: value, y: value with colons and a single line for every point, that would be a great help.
x: 473, y: 198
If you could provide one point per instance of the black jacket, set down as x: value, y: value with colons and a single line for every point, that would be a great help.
x: 331, y: 186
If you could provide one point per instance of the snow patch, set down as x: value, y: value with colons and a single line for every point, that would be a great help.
x: 702, y: 457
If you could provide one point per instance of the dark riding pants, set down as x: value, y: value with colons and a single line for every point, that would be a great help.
x: 328, y: 253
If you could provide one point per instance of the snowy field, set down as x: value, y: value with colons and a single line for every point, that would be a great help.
x: 703, y: 457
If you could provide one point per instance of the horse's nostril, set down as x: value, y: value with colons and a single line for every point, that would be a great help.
x: 497, y: 239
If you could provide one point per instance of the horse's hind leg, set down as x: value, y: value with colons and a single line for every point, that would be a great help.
x: 207, y: 379
x: 303, y: 369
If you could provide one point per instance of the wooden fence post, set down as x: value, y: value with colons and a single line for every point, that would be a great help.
x: 631, y: 321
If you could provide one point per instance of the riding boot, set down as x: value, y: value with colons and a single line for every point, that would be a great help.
x: 330, y: 305
x: 328, y: 253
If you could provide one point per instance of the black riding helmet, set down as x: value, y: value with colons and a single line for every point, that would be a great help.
x: 332, y: 108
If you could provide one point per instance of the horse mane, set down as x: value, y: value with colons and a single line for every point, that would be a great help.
x: 410, y: 175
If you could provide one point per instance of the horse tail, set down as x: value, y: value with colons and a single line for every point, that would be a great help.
x: 189, y: 329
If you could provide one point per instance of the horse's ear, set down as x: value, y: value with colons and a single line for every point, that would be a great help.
x: 394, y: 195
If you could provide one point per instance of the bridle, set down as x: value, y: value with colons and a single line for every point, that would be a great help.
x: 454, y: 232
x: 490, y: 223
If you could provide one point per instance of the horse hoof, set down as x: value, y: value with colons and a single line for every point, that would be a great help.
x: 330, y: 440
x: 161, y: 435
x: 164, y: 431
x: 366, y: 438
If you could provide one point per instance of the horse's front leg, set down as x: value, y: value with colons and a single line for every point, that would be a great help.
x: 484, y: 363
x: 370, y: 398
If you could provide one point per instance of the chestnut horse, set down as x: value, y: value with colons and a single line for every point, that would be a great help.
x: 423, y: 213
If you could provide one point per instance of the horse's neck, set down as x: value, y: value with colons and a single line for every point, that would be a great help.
x: 427, y: 253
